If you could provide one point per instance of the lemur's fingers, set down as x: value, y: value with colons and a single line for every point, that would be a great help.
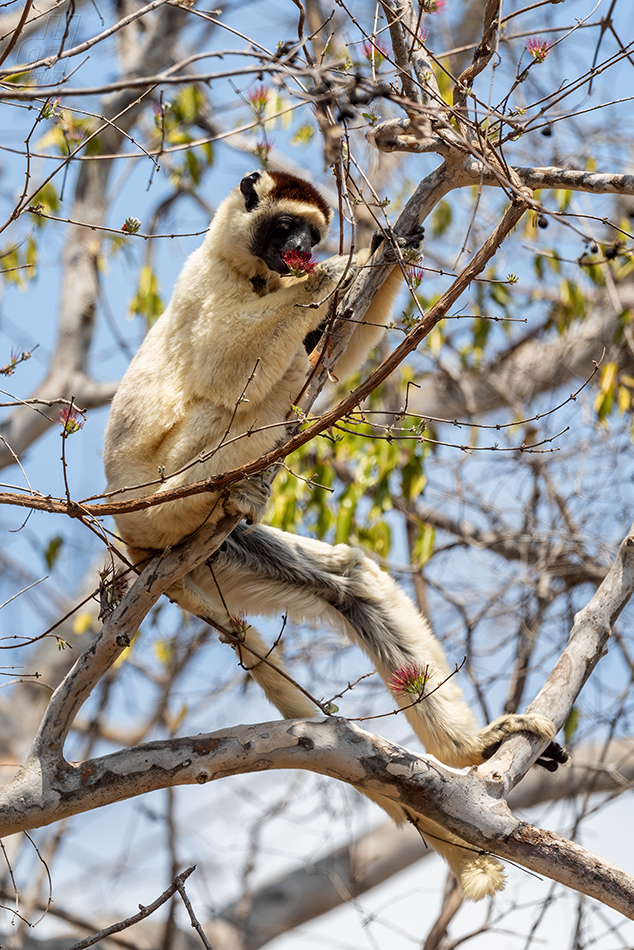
x: 409, y: 245
x: 553, y: 756
x: 414, y: 239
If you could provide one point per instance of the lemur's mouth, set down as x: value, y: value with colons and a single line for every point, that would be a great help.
x: 274, y: 260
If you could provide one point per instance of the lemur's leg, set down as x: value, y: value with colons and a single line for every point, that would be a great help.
x: 265, y: 571
x: 479, y: 874
x: 268, y: 572
x: 264, y: 665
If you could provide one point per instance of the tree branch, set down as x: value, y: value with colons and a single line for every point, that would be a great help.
x: 586, y: 645
x: 463, y: 801
x: 288, y: 901
x: 117, y: 633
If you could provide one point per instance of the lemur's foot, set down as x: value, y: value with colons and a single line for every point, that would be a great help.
x: 250, y: 498
x: 492, y: 735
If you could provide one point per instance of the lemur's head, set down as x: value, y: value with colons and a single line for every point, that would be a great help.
x: 288, y: 214
x: 276, y: 212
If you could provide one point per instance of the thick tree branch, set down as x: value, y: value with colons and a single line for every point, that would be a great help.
x: 350, y: 871
x: 117, y: 633
x: 461, y: 800
x: 48, y: 788
x: 598, y: 183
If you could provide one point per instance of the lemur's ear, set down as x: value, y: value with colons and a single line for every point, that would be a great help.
x: 247, y: 187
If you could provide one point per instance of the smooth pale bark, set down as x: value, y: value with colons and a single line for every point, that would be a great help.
x: 470, y: 802
x: 467, y: 802
x: 353, y: 869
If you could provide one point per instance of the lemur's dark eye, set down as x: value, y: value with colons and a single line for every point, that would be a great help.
x: 283, y: 225
x: 315, y: 236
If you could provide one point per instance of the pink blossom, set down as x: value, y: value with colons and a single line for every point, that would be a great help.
x: 258, y: 96
x: 416, y: 274
x: 160, y: 109
x: 408, y: 680
x: 375, y: 52
x: 70, y: 421
x: 434, y: 6
x: 538, y: 48
x: 263, y: 148
x: 299, y: 262
x: 240, y: 625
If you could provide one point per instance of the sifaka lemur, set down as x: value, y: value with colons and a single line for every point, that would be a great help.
x: 209, y: 390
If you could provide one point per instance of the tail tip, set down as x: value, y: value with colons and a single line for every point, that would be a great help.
x: 482, y: 877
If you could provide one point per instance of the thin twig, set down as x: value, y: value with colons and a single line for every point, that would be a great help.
x: 144, y: 912
x: 190, y: 910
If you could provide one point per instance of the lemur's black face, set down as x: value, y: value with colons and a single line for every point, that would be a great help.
x: 283, y: 232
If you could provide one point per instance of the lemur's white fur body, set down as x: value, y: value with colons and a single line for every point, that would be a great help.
x: 236, y: 327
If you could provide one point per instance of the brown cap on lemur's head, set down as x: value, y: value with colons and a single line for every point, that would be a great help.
x: 281, y: 186
x: 288, y: 213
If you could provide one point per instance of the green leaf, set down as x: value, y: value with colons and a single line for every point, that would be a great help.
x: 193, y: 166
x: 571, y: 724
x: 30, y: 258
x: 562, y: 197
x: 604, y: 403
x: 187, y: 104
x: 376, y: 537
x: 441, y: 218
x: 413, y: 478
x: 572, y: 304
x: 54, y: 137
x: 52, y: 550
x: 501, y: 294
x: 47, y: 196
x: 164, y: 651
x: 11, y: 268
x: 147, y: 303
x: 22, y: 78
x: 382, y: 500
x: 304, y: 135
x: 345, y: 515
x: 481, y: 330
x: 424, y: 546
